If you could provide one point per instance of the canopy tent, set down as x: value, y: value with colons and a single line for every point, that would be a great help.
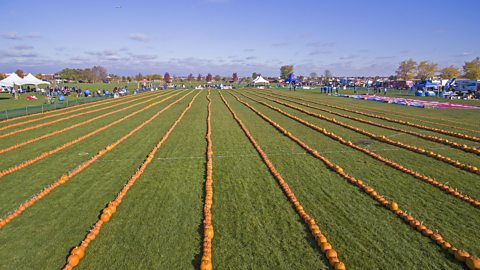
x: 4, y: 84
x: 30, y: 79
x: 11, y: 80
x: 260, y: 80
x: 425, y: 85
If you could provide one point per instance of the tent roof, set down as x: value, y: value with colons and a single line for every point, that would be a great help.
x: 260, y: 79
x: 12, y: 79
x: 30, y: 79
x: 426, y: 84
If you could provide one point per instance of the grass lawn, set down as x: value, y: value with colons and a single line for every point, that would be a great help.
x: 159, y: 223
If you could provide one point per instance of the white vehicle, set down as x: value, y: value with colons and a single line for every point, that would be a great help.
x: 466, y: 86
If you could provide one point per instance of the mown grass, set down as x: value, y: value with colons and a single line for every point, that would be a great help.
x: 159, y: 223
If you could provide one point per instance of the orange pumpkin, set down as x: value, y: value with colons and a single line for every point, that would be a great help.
x: 331, y: 253
x: 79, y: 251
x: 209, y: 232
x: 340, y: 266
x: 105, y: 217
x: 73, y: 260
x: 461, y: 255
x: 206, y: 264
x: 326, y: 246
x: 473, y: 263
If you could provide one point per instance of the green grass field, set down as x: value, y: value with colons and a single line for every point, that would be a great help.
x: 159, y: 222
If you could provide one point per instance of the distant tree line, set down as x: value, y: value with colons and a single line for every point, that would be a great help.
x: 94, y: 74
x: 424, y: 70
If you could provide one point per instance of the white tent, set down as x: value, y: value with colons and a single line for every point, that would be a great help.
x: 11, y: 80
x: 30, y: 79
x: 260, y: 80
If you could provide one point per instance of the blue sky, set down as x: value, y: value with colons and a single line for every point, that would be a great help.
x: 348, y: 37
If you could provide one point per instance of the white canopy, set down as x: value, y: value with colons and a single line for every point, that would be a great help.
x: 30, y: 79
x: 259, y: 79
x: 12, y: 79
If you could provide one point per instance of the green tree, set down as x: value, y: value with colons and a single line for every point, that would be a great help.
x: 426, y: 70
x: 254, y: 75
x: 217, y: 78
x: 449, y: 72
x: 406, y: 69
x: 209, y: 77
x: 285, y: 71
x: 39, y: 76
x: 190, y: 77
x: 472, y: 69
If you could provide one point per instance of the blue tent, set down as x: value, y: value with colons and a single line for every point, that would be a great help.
x: 426, y: 85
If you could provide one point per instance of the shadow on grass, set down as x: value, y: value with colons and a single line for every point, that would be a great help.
x: 197, y: 259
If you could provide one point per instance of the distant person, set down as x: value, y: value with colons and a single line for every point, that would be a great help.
x: 354, y: 89
x: 385, y: 91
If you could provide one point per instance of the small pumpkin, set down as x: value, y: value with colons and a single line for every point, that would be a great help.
x: 206, y: 264
x: 394, y: 206
x: 461, y: 255
x: 473, y: 263
x: 105, y: 217
x: 326, y: 246
x: 209, y: 232
x: 340, y: 266
x: 73, y: 260
x: 331, y: 253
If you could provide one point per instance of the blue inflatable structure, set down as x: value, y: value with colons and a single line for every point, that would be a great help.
x: 419, y: 94
x: 291, y: 79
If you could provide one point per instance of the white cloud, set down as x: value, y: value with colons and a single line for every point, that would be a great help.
x: 138, y: 37
x: 17, y: 36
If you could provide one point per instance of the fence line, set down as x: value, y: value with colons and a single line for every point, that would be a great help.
x: 12, y: 113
